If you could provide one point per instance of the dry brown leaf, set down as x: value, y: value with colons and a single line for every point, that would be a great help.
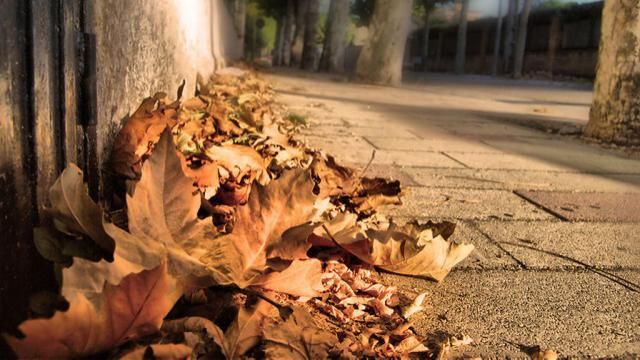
x: 160, y: 352
x: 131, y: 309
x: 547, y: 354
x: 411, y: 249
x: 196, y: 324
x: 415, y: 306
x: 162, y: 215
x: 140, y: 131
x: 298, y: 338
x: 246, y: 330
x: 301, y: 278
x: 72, y: 206
x: 241, y: 256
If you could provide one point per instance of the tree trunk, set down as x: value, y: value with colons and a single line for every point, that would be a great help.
x: 298, y: 37
x: 508, y: 39
x: 554, y: 42
x: 496, y: 44
x: 615, y: 111
x: 380, y: 60
x: 335, y: 37
x: 279, y: 43
x: 289, y: 25
x: 239, y: 13
x: 521, y: 43
x: 310, y: 49
x: 425, y: 45
x: 461, y: 41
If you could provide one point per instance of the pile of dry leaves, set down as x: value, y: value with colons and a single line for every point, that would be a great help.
x: 237, y: 241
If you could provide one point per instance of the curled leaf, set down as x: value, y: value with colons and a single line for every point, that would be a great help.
x: 76, y: 212
x: 415, y: 306
x: 411, y: 249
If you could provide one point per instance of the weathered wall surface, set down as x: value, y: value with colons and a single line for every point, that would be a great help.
x: 146, y: 46
x: 47, y: 79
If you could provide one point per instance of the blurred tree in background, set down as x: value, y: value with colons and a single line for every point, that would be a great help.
x: 615, y: 111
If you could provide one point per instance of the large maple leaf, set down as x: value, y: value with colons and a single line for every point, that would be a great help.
x: 240, y: 257
x: 162, y: 215
x: 133, y: 308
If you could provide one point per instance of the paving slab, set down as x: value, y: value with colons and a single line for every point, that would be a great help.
x: 525, y: 180
x: 555, y: 244
x: 569, y: 153
x: 328, y: 131
x: 580, y: 314
x: 587, y: 206
x: 465, y: 204
x: 453, y: 145
x: 492, y: 129
x: 416, y: 159
x: 347, y: 149
x: 508, y: 162
x: 387, y: 172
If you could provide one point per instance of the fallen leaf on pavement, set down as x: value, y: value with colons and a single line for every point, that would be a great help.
x: 411, y: 249
x: 415, y: 306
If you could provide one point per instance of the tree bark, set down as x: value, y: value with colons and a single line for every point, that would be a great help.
x: 289, y: 26
x: 380, y: 60
x: 425, y: 48
x: 461, y: 41
x: 298, y: 37
x: 508, y: 39
x: 335, y: 37
x: 310, y: 49
x: 521, y: 44
x: 278, y: 47
x: 496, y: 44
x: 615, y: 110
x: 554, y: 42
x: 239, y: 13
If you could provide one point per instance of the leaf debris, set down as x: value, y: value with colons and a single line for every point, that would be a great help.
x: 225, y: 207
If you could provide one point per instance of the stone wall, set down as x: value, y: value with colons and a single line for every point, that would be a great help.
x: 70, y: 72
x: 146, y: 46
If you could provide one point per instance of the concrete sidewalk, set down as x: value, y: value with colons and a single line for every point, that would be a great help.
x: 556, y: 222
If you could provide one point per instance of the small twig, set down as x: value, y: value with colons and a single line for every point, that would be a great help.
x: 373, y: 155
x: 330, y: 236
x: 284, y: 310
